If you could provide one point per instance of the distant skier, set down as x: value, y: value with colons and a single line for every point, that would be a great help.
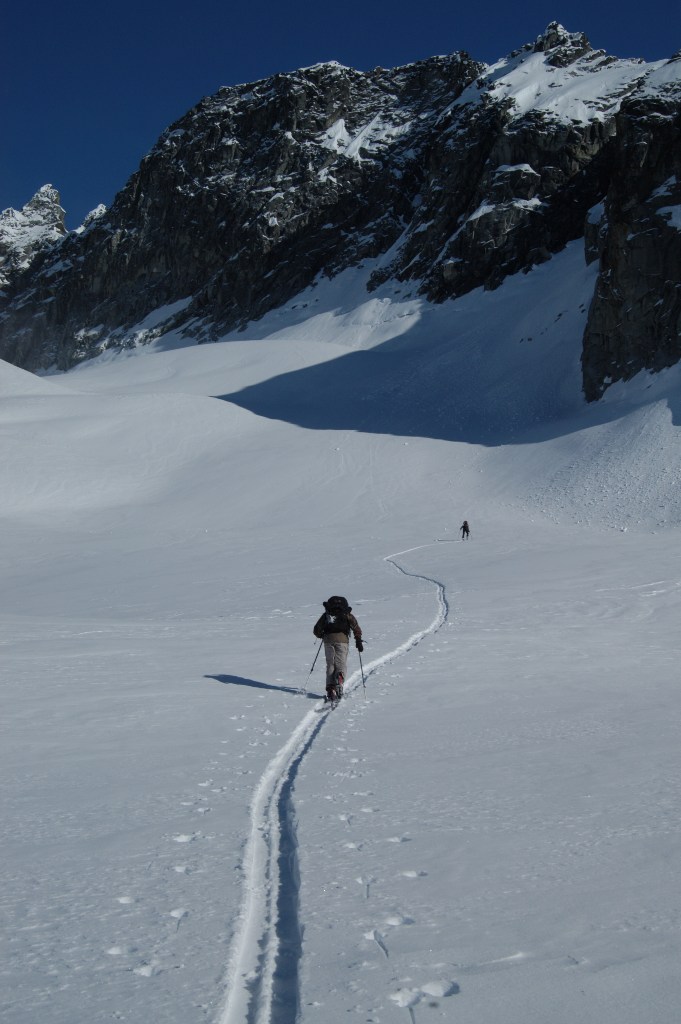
x: 334, y: 628
x: 465, y: 530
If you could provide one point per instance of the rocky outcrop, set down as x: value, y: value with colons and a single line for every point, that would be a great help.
x: 239, y: 206
x: 446, y: 174
x: 26, y: 233
x: 635, y: 318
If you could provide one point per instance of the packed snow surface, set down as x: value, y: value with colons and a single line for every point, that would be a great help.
x: 488, y: 828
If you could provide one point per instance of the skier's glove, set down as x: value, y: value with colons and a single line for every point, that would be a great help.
x: 359, y: 645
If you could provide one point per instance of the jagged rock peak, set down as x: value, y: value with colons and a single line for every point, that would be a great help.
x: 94, y: 215
x: 28, y: 232
x: 566, y: 46
x: 43, y: 209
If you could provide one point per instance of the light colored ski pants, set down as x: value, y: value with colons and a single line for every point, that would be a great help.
x: 336, y: 660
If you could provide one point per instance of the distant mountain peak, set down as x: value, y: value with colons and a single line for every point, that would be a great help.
x: 30, y: 231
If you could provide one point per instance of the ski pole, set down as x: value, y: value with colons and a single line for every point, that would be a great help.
x: 304, y: 689
x: 361, y: 667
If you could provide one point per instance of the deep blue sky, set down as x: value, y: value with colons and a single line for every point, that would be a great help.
x: 87, y: 88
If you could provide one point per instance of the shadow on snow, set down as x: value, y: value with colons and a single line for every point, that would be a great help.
x: 432, y: 388
x: 257, y: 685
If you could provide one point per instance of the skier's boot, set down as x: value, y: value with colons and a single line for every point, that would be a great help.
x: 334, y: 691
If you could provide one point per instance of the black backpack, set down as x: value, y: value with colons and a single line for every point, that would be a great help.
x: 337, y: 611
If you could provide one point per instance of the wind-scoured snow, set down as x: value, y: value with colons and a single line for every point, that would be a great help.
x: 589, y: 89
x: 488, y: 827
x: 372, y: 136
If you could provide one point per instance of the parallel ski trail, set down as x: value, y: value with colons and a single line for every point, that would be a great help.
x: 251, y: 996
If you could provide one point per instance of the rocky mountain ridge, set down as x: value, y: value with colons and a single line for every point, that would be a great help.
x: 448, y: 173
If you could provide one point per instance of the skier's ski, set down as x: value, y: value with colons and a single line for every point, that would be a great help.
x: 329, y: 705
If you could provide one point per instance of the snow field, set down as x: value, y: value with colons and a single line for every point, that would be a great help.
x: 490, y: 831
x: 521, y: 850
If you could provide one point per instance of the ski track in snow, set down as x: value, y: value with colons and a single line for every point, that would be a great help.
x: 262, y: 972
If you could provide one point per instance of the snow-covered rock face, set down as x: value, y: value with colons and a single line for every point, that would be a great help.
x: 447, y: 173
x: 26, y: 233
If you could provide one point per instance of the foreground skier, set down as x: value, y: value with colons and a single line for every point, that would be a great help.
x: 334, y: 628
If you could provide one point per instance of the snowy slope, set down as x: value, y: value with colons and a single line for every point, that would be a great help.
x: 488, y: 829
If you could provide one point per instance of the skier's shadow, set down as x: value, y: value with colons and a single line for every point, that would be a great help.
x: 257, y: 685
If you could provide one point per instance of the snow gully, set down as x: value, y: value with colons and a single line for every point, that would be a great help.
x: 262, y: 983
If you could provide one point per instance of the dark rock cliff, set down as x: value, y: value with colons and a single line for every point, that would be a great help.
x: 238, y: 207
x: 635, y: 318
